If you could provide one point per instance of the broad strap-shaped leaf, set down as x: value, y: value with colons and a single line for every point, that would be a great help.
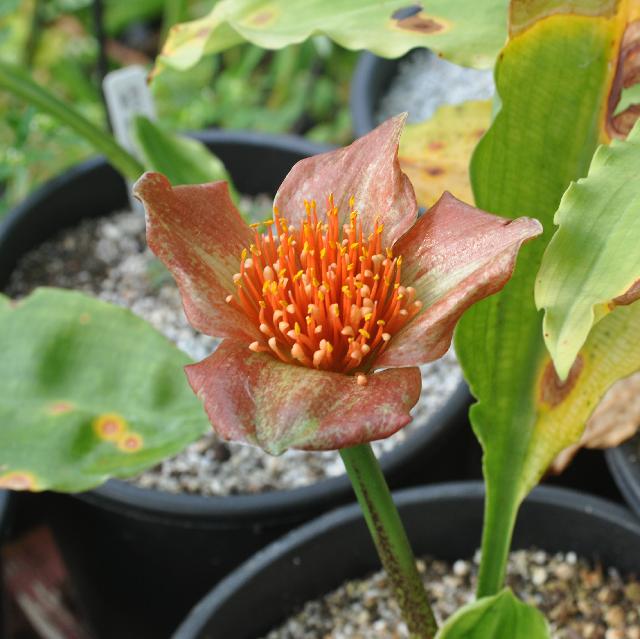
x: 367, y: 171
x: 435, y: 154
x: 182, y: 160
x: 500, y: 616
x: 255, y: 398
x: 199, y: 234
x: 553, y: 115
x: 592, y: 264
x: 89, y: 391
x: 453, y: 256
x: 390, y: 28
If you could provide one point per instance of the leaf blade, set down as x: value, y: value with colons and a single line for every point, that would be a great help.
x: 592, y: 264
x: 388, y: 28
x: 91, y: 392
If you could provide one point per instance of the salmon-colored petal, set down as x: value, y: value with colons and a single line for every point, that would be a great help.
x: 252, y: 397
x: 454, y: 256
x: 368, y: 170
x: 199, y: 234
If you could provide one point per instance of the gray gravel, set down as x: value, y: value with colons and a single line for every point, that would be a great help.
x: 425, y: 82
x: 579, y: 600
x: 108, y: 257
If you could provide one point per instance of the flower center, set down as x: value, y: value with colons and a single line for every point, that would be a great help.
x: 323, y: 296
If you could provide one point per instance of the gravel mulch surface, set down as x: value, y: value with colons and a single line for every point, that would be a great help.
x: 579, y: 600
x: 425, y: 82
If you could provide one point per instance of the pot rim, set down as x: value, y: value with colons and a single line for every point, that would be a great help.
x: 370, y: 70
x: 625, y: 474
x: 569, y: 499
x: 117, y: 494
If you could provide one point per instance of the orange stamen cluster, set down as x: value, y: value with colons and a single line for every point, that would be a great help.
x: 321, y: 296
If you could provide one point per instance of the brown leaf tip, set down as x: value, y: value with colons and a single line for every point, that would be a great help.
x: 553, y: 390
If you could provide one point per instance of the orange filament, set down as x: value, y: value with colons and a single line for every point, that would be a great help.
x: 322, y: 296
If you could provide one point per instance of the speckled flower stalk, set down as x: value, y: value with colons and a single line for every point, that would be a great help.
x: 342, y: 280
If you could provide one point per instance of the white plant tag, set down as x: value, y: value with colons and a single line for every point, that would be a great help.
x: 127, y: 95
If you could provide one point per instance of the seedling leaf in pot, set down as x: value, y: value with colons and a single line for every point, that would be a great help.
x: 456, y: 30
x: 183, y: 160
x: 90, y: 391
x: 500, y: 616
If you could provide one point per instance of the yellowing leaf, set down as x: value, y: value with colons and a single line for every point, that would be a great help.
x: 435, y: 154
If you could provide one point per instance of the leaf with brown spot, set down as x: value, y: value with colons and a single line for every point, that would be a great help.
x: 435, y: 154
x: 616, y: 419
x: 554, y: 80
x: 390, y: 28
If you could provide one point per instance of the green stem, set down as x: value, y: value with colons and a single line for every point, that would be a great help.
x: 21, y: 86
x: 390, y: 539
x: 500, y: 513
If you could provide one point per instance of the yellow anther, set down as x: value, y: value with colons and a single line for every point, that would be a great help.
x: 368, y: 316
x: 354, y: 245
x: 243, y: 255
x: 364, y: 333
x: 323, y: 253
x: 296, y: 328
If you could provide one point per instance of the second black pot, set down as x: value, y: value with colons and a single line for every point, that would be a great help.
x: 624, y: 464
x: 443, y: 521
x: 141, y: 558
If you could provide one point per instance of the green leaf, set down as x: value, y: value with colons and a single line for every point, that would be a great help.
x: 182, y: 160
x: 550, y: 123
x: 501, y: 616
x: 592, y: 264
x: 455, y: 30
x: 90, y: 391
x: 16, y: 82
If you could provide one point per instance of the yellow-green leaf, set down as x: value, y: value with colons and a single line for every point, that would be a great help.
x: 435, y: 154
x: 389, y: 28
x: 592, y: 264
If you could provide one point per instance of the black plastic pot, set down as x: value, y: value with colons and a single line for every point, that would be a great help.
x: 624, y: 464
x: 370, y: 82
x: 443, y: 521
x: 141, y: 558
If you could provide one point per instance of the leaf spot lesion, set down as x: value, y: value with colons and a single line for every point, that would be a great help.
x: 553, y: 390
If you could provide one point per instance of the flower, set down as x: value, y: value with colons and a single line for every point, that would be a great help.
x: 345, y: 279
